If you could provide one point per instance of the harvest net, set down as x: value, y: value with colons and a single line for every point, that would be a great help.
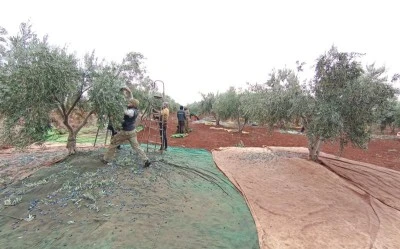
x: 297, y: 203
x: 181, y: 201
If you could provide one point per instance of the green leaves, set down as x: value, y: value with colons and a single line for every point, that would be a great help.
x: 341, y: 102
x: 37, y: 79
x: 227, y: 104
x: 33, y: 75
x: 334, y: 70
x: 355, y: 94
x: 106, y: 98
x: 396, y: 114
x: 280, y: 100
x: 207, y: 103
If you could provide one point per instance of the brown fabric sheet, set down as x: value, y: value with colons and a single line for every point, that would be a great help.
x: 297, y: 203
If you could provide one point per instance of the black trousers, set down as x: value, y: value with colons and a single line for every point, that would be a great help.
x: 113, y: 132
x: 181, y: 126
x: 163, y: 135
x: 111, y: 128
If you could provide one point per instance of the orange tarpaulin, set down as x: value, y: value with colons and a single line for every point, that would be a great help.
x: 297, y: 203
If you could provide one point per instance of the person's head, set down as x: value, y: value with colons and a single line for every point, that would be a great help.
x: 165, y: 105
x: 133, y: 103
x: 181, y: 107
x: 185, y: 108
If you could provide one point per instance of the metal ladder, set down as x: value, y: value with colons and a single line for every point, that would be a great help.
x: 153, y: 129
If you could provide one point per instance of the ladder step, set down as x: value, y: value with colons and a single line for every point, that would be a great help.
x: 153, y: 142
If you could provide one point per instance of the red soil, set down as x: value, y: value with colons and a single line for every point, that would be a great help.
x: 381, y: 152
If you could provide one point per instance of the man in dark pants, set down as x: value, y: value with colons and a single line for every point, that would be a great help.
x: 164, y: 114
x: 128, y: 134
x: 113, y: 131
x: 181, y: 120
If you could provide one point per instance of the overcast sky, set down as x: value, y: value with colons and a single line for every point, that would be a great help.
x: 209, y: 45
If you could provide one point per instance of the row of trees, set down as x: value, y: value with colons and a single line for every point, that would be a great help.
x: 389, y: 116
x: 37, y: 78
x: 341, y: 103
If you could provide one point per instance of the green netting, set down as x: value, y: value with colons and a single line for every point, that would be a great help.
x: 179, y: 135
x: 181, y: 201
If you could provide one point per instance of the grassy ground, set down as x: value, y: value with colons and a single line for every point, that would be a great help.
x: 86, y: 135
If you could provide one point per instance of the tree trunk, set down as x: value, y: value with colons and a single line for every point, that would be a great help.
x: 241, y: 127
x: 393, y: 128
x: 71, y: 144
x: 313, y: 148
x: 382, y: 127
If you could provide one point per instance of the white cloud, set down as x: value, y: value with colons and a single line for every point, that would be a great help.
x: 207, y: 46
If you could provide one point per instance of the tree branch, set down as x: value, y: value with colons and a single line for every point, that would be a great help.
x: 85, y: 90
x: 60, y: 106
x: 74, y: 103
x: 60, y: 111
x: 77, y: 99
x: 84, y: 122
x: 66, y: 123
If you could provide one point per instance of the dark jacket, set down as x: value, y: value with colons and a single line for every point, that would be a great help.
x: 129, y: 119
x: 181, y: 115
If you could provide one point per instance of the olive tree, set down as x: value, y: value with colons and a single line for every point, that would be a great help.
x: 207, y: 105
x: 387, y: 116
x: 278, y: 101
x: 3, y: 32
x: 347, y: 96
x: 397, y: 115
x: 229, y: 105
x: 37, y: 79
x: 337, y: 105
x: 194, y: 108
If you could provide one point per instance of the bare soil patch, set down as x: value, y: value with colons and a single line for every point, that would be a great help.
x: 382, y: 151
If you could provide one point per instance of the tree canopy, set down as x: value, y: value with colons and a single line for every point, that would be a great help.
x: 340, y: 103
x: 37, y: 78
x: 230, y: 105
